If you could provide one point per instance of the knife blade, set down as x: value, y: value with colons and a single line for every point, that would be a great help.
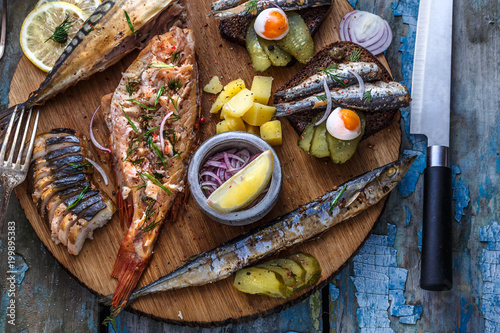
x: 430, y: 116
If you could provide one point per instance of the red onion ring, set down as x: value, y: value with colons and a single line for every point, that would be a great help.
x: 98, y: 168
x: 377, y: 41
x: 329, y: 104
x: 92, y: 137
x: 360, y: 81
x: 162, y: 126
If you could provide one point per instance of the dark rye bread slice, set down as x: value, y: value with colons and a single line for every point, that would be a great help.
x: 235, y: 29
x: 375, y: 121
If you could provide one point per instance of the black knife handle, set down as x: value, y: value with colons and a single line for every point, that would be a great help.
x: 436, y: 270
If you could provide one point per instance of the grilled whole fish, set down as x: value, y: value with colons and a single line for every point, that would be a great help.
x: 384, y: 96
x: 60, y: 185
x: 254, y: 7
x: 300, y: 225
x: 102, y: 41
x: 160, y: 86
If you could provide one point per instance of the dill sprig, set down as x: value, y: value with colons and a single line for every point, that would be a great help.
x: 333, y: 76
x: 157, y: 151
x: 86, y: 164
x: 355, y: 55
x: 80, y: 197
x: 334, y: 202
x: 251, y: 6
x: 130, y: 24
x: 160, y: 92
x: 146, y: 134
x: 60, y: 34
x: 321, y: 97
x: 131, y: 86
x: 156, y: 181
x: 368, y: 96
x: 142, y: 105
x: 129, y: 120
x: 175, y: 56
x: 174, y: 84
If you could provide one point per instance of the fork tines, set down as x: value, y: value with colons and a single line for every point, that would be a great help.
x: 14, y: 145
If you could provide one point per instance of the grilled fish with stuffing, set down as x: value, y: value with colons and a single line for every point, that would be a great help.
x: 61, y: 187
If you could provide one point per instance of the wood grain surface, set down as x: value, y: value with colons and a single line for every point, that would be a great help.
x: 305, y: 178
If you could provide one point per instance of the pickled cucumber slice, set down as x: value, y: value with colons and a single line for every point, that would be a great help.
x: 311, y: 265
x: 287, y: 276
x: 340, y: 150
x: 253, y: 280
x: 307, y: 135
x: 319, y: 145
x: 294, y: 267
x: 298, y: 41
x: 260, y: 60
x: 277, y: 56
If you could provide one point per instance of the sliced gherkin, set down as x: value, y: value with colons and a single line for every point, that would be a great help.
x: 260, y: 60
x: 298, y: 41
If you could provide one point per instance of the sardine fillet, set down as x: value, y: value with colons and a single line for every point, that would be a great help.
x: 162, y: 81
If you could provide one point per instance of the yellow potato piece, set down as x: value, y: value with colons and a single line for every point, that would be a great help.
x: 271, y: 132
x: 221, y: 127
x: 230, y: 89
x: 242, y: 188
x: 214, y: 86
x: 253, y: 129
x: 235, y: 123
x: 258, y: 114
x: 239, y: 104
x: 261, y: 86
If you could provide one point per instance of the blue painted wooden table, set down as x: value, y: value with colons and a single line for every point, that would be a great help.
x: 378, y: 291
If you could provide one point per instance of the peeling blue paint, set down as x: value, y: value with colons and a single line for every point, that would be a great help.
x: 380, y: 284
x: 460, y: 193
x: 409, y: 181
x: 353, y: 3
x: 486, y: 191
x: 419, y: 234
x: 465, y: 315
x: 20, y: 268
x: 490, y: 269
x: 408, y: 215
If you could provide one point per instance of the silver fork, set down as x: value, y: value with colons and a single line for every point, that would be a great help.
x: 13, y: 174
x: 4, y: 27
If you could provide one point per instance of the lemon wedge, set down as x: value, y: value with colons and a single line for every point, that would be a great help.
x: 88, y: 6
x: 242, y: 188
x: 40, y: 25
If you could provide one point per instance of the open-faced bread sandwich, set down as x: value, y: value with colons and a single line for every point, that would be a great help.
x: 343, y: 95
x: 274, y: 32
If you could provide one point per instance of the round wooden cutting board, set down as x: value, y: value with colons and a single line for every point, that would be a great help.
x: 305, y: 178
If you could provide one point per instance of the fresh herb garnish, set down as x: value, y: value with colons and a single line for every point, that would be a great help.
x: 333, y: 76
x: 159, y: 65
x: 175, y: 56
x: 129, y: 120
x: 158, y: 95
x: 334, y: 202
x: 132, y: 149
x: 174, y: 84
x: 157, y: 151
x: 80, y: 197
x: 149, y: 213
x: 251, y: 6
x: 146, y: 134
x: 86, y: 164
x: 60, y: 34
x: 355, y: 55
x: 141, y: 104
x: 321, y: 97
x: 131, y: 86
x: 139, y: 161
x: 368, y: 96
x: 112, y: 321
x: 130, y: 24
x: 156, y: 181
x: 174, y: 104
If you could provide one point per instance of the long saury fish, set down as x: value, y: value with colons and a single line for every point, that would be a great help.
x: 382, y: 96
x: 151, y: 117
x: 103, y: 40
x: 302, y: 224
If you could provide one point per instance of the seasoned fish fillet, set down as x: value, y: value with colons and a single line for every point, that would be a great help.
x: 151, y: 160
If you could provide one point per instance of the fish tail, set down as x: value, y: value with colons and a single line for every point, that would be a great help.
x: 128, y: 269
x: 106, y: 300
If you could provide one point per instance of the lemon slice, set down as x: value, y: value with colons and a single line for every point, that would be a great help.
x: 88, y: 6
x: 242, y: 188
x: 40, y: 24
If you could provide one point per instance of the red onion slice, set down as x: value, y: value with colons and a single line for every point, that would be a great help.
x: 98, y: 168
x: 360, y: 81
x: 328, y: 105
x: 162, y: 127
x: 92, y: 137
x: 353, y: 27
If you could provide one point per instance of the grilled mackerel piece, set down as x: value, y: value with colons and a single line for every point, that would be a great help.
x: 58, y: 180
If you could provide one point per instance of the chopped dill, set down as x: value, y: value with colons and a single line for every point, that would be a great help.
x: 334, y: 77
x: 131, y: 86
x: 157, y: 151
x: 129, y: 120
x: 368, y: 96
x: 80, y: 197
x: 174, y: 84
x: 130, y: 24
x: 156, y: 181
x: 355, y: 55
x: 334, y: 202
x: 141, y: 104
x: 321, y: 97
x: 146, y: 134
x: 176, y: 56
x: 251, y: 6
x: 60, y: 34
x: 158, y: 95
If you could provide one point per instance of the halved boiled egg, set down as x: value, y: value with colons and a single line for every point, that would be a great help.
x: 344, y: 124
x: 272, y: 24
